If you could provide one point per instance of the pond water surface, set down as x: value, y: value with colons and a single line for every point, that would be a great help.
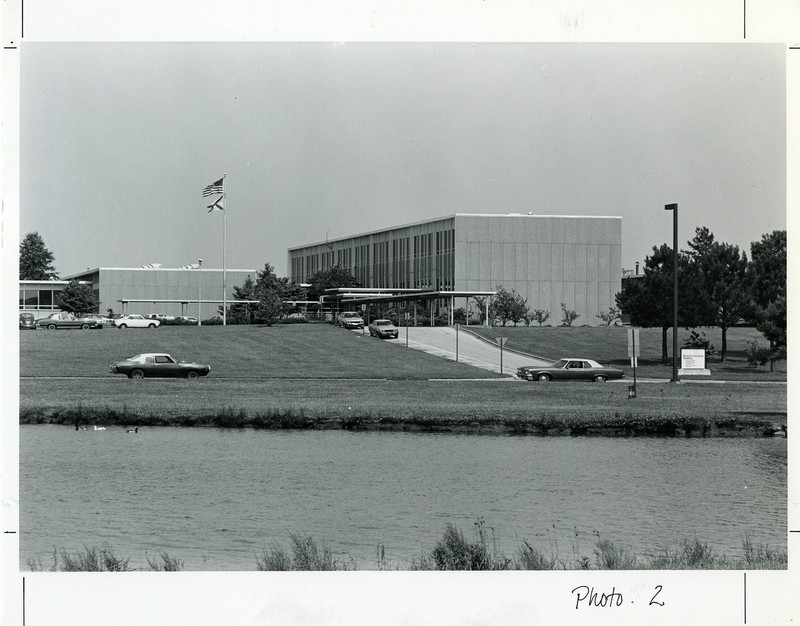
x: 216, y: 498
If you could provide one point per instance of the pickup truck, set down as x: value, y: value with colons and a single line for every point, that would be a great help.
x: 67, y: 320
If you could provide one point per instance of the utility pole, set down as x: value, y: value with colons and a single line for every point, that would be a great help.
x: 674, y: 209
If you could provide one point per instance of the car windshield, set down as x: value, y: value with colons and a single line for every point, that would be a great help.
x: 351, y: 314
x: 560, y: 363
x: 383, y: 323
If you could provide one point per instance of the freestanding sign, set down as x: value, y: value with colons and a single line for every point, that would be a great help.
x: 693, y: 363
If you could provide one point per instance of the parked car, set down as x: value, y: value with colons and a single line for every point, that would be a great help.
x: 103, y: 319
x: 67, y: 320
x: 570, y: 369
x: 135, y: 321
x: 383, y: 329
x: 185, y: 321
x: 27, y: 321
x: 350, y: 319
x: 158, y: 364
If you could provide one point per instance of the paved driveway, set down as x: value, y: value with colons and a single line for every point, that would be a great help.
x: 471, y: 350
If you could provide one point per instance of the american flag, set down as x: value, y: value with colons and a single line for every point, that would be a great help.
x: 213, y: 188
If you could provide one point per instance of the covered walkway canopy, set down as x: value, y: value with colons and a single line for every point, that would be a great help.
x: 342, y: 297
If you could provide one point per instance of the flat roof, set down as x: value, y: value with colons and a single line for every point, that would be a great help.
x: 447, y: 217
x: 156, y: 269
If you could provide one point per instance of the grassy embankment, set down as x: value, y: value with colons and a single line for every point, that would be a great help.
x: 317, y: 376
x: 609, y: 346
x: 452, y: 552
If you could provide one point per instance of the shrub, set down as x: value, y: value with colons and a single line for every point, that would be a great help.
x: 92, y: 559
x: 167, y: 564
x: 611, y: 556
x: 532, y: 558
x: 699, y: 341
x: 757, y: 355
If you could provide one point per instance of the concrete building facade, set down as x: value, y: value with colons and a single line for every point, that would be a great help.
x: 171, y: 291
x: 549, y: 260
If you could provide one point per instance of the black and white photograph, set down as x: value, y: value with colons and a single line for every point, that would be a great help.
x: 309, y: 318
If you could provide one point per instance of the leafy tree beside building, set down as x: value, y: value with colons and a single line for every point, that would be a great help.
x: 77, y: 298
x: 507, y: 306
x: 329, y: 278
x: 273, y: 293
x: 35, y: 260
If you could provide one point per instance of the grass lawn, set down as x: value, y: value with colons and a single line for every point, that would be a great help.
x: 609, y: 346
x: 316, y: 375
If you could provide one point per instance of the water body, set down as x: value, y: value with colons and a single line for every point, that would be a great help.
x: 215, y: 498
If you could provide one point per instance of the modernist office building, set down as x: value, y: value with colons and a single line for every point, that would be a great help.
x: 150, y: 289
x: 575, y: 260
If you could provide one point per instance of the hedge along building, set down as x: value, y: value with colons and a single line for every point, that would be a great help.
x: 548, y: 260
x: 167, y: 290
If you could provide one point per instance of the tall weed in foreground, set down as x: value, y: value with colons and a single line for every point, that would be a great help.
x: 167, y: 564
x: 92, y: 559
x: 763, y: 557
x: 454, y: 552
x: 611, y: 556
x: 307, y: 555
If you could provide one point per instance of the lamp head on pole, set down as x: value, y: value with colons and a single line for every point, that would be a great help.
x: 671, y: 207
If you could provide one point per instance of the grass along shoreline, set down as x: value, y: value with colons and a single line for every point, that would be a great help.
x: 550, y: 423
x: 453, y: 552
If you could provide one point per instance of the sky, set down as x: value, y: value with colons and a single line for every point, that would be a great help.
x: 323, y: 140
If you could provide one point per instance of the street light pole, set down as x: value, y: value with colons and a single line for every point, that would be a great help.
x: 199, y: 290
x: 674, y: 209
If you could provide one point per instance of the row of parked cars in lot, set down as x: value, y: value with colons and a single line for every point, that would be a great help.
x: 62, y: 320
x: 381, y: 328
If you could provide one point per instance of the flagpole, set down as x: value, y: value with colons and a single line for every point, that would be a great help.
x: 224, y: 253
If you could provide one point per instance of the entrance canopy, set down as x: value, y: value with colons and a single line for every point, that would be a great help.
x: 340, y: 297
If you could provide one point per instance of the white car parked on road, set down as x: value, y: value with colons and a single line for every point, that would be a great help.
x: 135, y: 321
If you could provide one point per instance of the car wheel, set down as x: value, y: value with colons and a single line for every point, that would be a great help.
x: 544, y: 378
x: 84, y: 326
x: 192, y: 374
x: 600, y: 379
x: 151, y: 325
x: 51, y: 327
x: 136, y: 374
x: 123, y: 326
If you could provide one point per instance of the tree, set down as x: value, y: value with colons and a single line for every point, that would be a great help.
x: 540, y: 316
x: 480, y: 303
x: 648, y: 300
x: 77, y: 298
x: 507, y: 306
x: 568, y: 315
x: 35, y: 260
x: 330, y: 278
x: 719, y: 269
x: 242, y: 313
x: 766, y: 283
x: 610, y: 316
x: 273, y: 293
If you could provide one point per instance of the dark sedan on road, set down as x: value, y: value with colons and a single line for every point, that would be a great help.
x: 158, y: 365
x: 570, y: 369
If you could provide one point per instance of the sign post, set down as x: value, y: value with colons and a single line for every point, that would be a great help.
x: 457, y: 325
x: 501, y: 341
x: 633, y: 352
